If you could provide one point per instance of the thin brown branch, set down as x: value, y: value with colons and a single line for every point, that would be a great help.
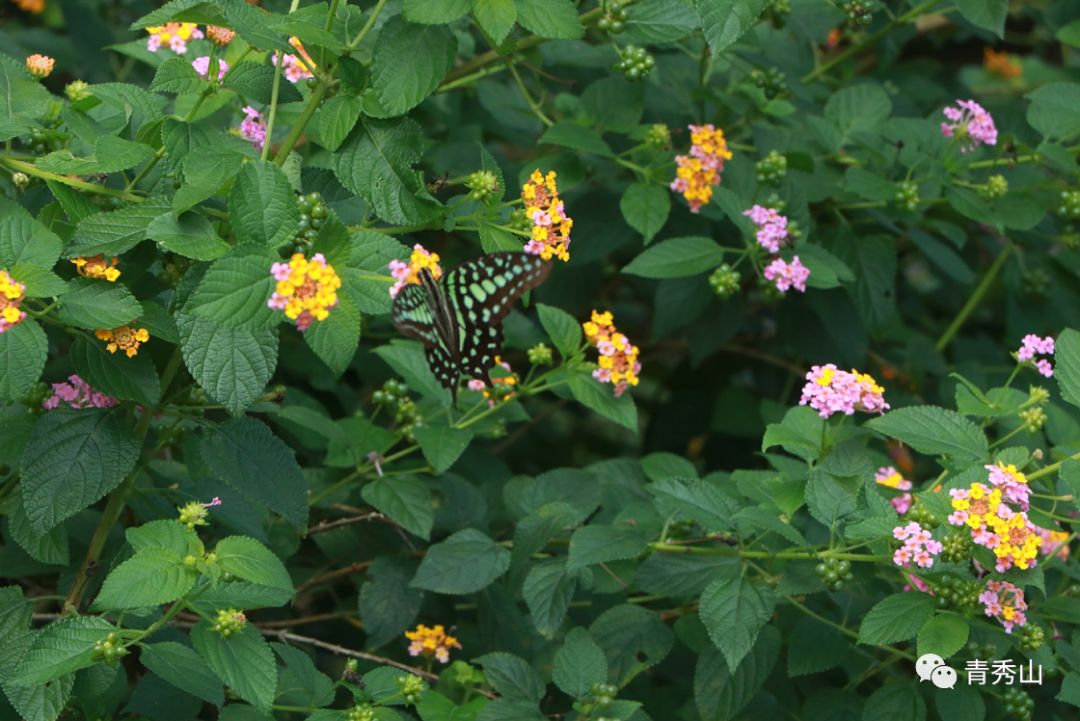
x: 324, y: 525
x: 332, y: 575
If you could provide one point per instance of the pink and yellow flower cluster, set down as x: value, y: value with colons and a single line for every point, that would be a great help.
x: 431, y: 642
x: 1005, y: 602
x: 829, y: 390
x: 98, y: 266
x: 296, y: 68
x: 618, y: 362
x: 699, y: 171
x: 12, y: 293
x: 889, y: 477
x: 409, y: 273
x: 550, y: 224
x: 919, y: 546
x: 173, y: 35
x: 993, y: 523
x: 306, y: 289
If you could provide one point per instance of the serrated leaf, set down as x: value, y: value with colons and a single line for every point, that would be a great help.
x: 720, y: 694
x: 547, y: 591
x: 943, y: 635
x: 512, y: 677
x: 442, y: 445
x: 677, y: 258
x: 63, y: 646
x: 336, y: 338
x: 23, y: 351
x: 178, y: 665
x: 151, y: 577
x: 25, y: 240
x: 466, y: 562
x: 232, y: 364
x: 93, y: 304
x: 495, y: 17
x: 645, y: 207
x: 600, y: 397
x: 117, y: 231
x: 235, y: 288
x: 336, y: 119
x: 986, y: 14
x: 579, y: 664
x: 934, y: 431
x: 250, y: 560
x: 599, y: 544
x: 563, y: 330
x: 243, y: 661
x: 633, y: 639
x: 725, y: 21
x: 405, y: 500
x: 134, y: 379
x: 190, y: 235
x: 734, y: 610
x: 262, y: 206
x: 74, y: 457
x: 409, y: 62
x: 896, y: 618
x: 550, y: 18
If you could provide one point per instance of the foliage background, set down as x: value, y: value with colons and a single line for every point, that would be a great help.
x: 545, y: 533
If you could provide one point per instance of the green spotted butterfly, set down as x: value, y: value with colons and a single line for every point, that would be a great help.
x: 459, y: 318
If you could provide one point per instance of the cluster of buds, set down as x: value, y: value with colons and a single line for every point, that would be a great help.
x: 725, y: 280
x: 228, y: 622
x: 394, y: 396
x: 658, y: 136
x: 362, y: 712
x: 313, y: 213
x: 772, y: 169
x: 614, y: 18
x: 541, y: 355
x: 635, y: 63
x: 859, y: 12
x: 109, y: 649
x: 907, y: 195
x: 1069, y: 208
x: 996, y: 186
x: 194, y: 513
x: 772, y: 81
x: 77, y: 90
x: 411, y: 687
x: 957, y: 593
x: 483, y: 185
x: 1034, y: 419
x: 835, y: 573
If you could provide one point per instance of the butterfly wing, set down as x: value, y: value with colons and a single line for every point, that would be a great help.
x: 422, y: 312
x: 481, y: 292
x: 412, y: 315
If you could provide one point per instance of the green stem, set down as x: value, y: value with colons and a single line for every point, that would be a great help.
x: 272, y: 115
x: 301, y: 123
x: 1052, y: 468
x: 870, y: 40
x: 31, y: 169
x: 781, y: 555
x: 976, y: 298
x: 1014, y: 432
x: 368, y: 25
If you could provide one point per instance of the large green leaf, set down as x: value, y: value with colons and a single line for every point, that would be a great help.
x: 23, y: 350
x: 133, y: 379
x: 243, y: 661
x: 409, y: 63
x: 65, y: 645
x: 250, y: 560
x: 262, y: 206
x: 405, y: 500
x: 896, y: 618
x: 466, y: 562
x: 677, y: 258
x: 151, y: 577
x: 234, y: 289
x: 725, y: 21
x: 232, y: 364
x: 734, y: 610
x: 935, y: 431
x: 579, y: 664
x: 179, y: 665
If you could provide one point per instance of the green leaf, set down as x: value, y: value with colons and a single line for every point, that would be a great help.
x: 961, y: 703
x: 600, y: 397
x: 118, y: 231
x: 577, y: 137
x: 442, y: 445
x: 1066, y: 365
x: 74, y: 457
x: 409, y: 62
x: 151, y: 577
x: 65, y: 645
x: 734, y: 610
x: 562, y: 329
x: 645, y: 207
x: 986, y: 14
x: 660, y: 21
x: 22, y: 97
x: 725, y: 21
x: 25, y: 240
x: 512, y: 677
x: 435, y: 12
x: 234, y: 289
x: 245, y: 454
x: 934, y: 431
x: 860, y: 108
x: 696, y: 500
x: 243, y: 661
x: 164, y: 533
x: 132, y: 379
x: 1054, y: 111
x: 895, y: 702
x: 335, y: 339
x: 299, y: 682
x: 826, y: 270
x: 633, y: 639
x: 50, y: 548
x: 405, y: 500
x: 176, y: 75
x: 408, y: 361
x: 23, y: 350
x: 815, y: 647
x: 720, y: 694
x: 233, y: 365
x: 896, y: 618
x: 677, y: 258
x: 180, y: 666
x: 387, y: 605
x: 599, y: 544
x: 111, y: 155
x: 495, y: 17
x: 262, y: 206
x: 336, y: 119
x: 191, y: 235
x: 547, y: 591
x: 255, y: 82
x: 550, y: 18
x: 39, y: 282
x: 943, y: 635
x: 376, y: 162
x: 92, y: 304
x: 579, y: 664
x: 1069, y: 34
x: 466, y: 562
x: 250, y: 560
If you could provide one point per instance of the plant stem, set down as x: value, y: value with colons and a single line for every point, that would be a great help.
x: 368, y: 25
x: 976, y: 298
x: 782, y: 555
x: 31, y: 169
x: 272, y: 115
x: 301, y: 123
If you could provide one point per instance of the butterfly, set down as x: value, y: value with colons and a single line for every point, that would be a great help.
x: 459, y: 318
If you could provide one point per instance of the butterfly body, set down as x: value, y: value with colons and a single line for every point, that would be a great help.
x: 459, y: 317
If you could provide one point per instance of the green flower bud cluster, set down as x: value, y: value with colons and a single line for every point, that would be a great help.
x: 957, y: 547
x: 958, y: 593
x: 601, y: 695
x: 20, y: 180
x: 313, y: 213
x: 364, y: 712
x: 659, y: 136
x: 1018, y: 703
x: 996, y: 186
x: 923, y: 515
x: 772, y: 81
x: 482, y: 185
x: 394, y: 396
x: 834, y: 572
x: 110, y: 649
x: 1070, y: 205
x: 1031, y: 637
x: 541, y: 355
x: 907, y: 195
x: 772, y: 169
x: 725, y: 281
x: 77, y: 90
x: 614, y: 18
x: 1035, y: 282
x: 228, y: 622
x: 411, y: 687
x: 43, y: 141
x: 1034, y: 419
x: 859, y: 12
x: 777, y: 11
x: 636, y: 63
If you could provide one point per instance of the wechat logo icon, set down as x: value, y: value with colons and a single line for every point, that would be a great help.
x: 931, y: 667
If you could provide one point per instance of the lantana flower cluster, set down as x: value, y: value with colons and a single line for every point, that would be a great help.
x: 1032, y: 346
x: 502, y: 384
x: 98, y: 266
x: 296, y: 68
x: 77, y: 393
x: 787, y: 275
x: 409, y: 273
x: 772, y: 227
x: 306, y: 289
x: 699, y: 171
x: 993, y: 523
x: 970, y: 124
x: 175, y: 36
x: 40, y: 66
x: 829, y: 390
x: 253, y: 127
x: 431, y: 642
x: 618, y: 361
x: 919, y: 546
x: 1053, y: 541
x: 12, y: 293
x: 1005, y: 602
x: 126, y: 338
x: 889, y: 477
x: 545, y: 210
